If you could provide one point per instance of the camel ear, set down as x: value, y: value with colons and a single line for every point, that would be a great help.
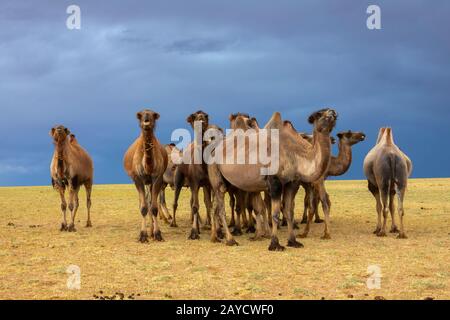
x: 232, y: 116
x: 52, y: 132
x: 313, y: 117
x: 139, y: 115
x: 191, y: 118
x: 156, y: 115
x: 340, y: 135
x: 67, y: 131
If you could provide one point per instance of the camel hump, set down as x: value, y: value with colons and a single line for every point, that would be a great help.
x: 275, y: 122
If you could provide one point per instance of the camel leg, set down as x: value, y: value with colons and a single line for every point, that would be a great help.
x: 401, y: 212
x: 240, y: 209
x: 143, y: 208
x: 275, y: 189
x: 326, y: 204
x: 194, y: 212
x: 178, y: 184
x: 73, y: 205
x: 88, y: 187
x: 313, y: 202
x: 232, y: 206
x: 221, y: 211
x: 208, y: 205
x: 250, y: 209
x: 392, y: 210
x: 268, y: 205
x: 155, y: 191
x: 288, y: 195
x: 258, y: 209
x: 376, y: 193
x: 62, y: 190
x: 384, y: 195
x: 163, y: 205
x: 305, y: 206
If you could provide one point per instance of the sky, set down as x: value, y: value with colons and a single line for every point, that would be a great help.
x: 255, y: 56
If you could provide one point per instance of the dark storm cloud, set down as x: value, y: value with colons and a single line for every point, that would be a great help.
x: 253, y: 56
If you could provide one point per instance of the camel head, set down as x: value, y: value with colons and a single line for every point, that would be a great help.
x: 351, y: 138
x: 199, y: 116
x: 323, y: 120
x: 59, y: 133
x: 244, y: 120
x: 147, y: 119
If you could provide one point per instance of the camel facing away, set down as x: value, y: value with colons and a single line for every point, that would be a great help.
x: 298, y: 160
x: 387, y: 170
x: 145, y: 162
x: 316, y: 191
x: 71, y: 167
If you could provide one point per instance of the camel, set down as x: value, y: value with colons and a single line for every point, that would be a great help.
x: 195, y: 176
x: 387, y: 170
x: 316, y: 191
x: 298, y: 160
x: 168, y: 179
x: 71, y: 167
x: 145, y: 162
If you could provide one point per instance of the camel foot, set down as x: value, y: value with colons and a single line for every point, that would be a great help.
x: 231, y: 242
x: 220, y: 234
x: 63, y: 227
x: 215, y: 240
x: 402, y: 236
x: 377, y: 230
x: 71, y: 228
x: 157, y: 236
x: 231, y: 224
x: 381, y: 234
x: 394, y: 229
x: 294, y: 243
x: 143, y: 237
x: 250, y: 229
x: 326, y: 236
x: 304, y: 221
x: 236, y: 232
x: 318, y: 220
x: 296, y: 226
x: 194, y: 234
x: 173, y: 224
x: 275, y: 245
x: 302, y: 235
x: 89, y: 224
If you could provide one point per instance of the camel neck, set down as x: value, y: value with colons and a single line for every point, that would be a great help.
x: 340, y: 164
x: 319, y: 157
x: 61, y: 155
x: 148, y: 146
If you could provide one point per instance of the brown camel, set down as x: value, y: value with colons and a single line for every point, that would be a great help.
x: 195, y: 176
x: 387, y: 170
x: 145, y: 162
x: 316, y: 191
x: 298, y: 160
x: 71, y: 167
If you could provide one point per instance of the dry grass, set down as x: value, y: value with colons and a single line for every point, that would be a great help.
x: 34, y: 254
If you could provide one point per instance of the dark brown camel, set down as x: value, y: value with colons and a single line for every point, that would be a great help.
x: 339, y: 165
x: 71, y: 167
x: 298, y: 160
x: 145, y: 162
x: 387, y: 170
x: 195, y: 176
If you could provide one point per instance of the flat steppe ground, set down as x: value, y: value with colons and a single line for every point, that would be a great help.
x: 35, y: 255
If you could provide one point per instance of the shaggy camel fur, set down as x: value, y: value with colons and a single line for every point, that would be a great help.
x: 298, y: 160
x: 195, y: 176
x: 71, y: 167
x: 145, y: 162
x: 387, y: 170
x: 338, y: 166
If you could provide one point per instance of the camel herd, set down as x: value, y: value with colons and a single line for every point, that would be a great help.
x: 259, y: 203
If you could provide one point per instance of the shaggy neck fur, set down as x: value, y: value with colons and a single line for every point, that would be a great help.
x: 148, y: 144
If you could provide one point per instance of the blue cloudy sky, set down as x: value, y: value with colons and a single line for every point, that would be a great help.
x: 222, y: 56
